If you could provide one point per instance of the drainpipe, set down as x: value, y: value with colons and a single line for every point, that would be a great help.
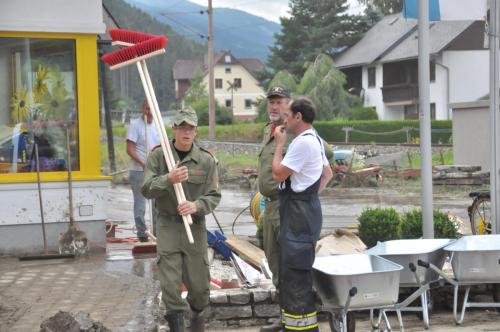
x: 448, y: 113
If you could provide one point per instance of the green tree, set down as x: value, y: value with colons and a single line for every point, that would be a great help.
x: 385, y: 7
x: 320, y: 26
x: 324, y: 84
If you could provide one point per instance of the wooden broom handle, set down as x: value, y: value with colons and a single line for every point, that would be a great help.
x: 167, y: 152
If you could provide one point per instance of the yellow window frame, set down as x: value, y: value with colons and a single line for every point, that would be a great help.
x: 88, y: 110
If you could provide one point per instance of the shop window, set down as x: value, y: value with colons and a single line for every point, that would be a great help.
x: 218, y: 83
x: 38, y: 104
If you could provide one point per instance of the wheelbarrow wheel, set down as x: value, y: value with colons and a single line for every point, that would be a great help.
x: 335, y: 321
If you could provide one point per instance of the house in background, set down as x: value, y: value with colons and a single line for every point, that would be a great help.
x: 236, y: 83
x: 382, y: 67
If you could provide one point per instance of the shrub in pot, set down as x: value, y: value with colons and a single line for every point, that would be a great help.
x: 378, y: 224
x: 411, y: 225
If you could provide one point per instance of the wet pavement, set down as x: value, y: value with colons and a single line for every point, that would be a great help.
x: 121, y: 291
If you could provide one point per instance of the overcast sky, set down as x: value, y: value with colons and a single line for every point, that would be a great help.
x: 269, y: 9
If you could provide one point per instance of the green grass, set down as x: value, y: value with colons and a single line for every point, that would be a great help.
x: 236, y: 162
x: 437, y: 159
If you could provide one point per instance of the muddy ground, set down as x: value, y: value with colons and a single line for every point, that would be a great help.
x: 120, y: 291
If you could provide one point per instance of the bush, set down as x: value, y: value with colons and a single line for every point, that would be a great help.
x: 362, y: 113
x: 378, y: 225
x: 411, y: 225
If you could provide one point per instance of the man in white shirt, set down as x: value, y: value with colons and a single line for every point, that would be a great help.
x: 302, y: 173
x: 141, y: 139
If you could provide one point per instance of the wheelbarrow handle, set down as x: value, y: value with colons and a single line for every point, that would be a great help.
x: 423, y: 263
x: 412, y: 267
x: 353, y: 291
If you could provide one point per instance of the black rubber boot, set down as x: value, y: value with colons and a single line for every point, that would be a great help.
x: 198, y: 321
x: 175, y: 321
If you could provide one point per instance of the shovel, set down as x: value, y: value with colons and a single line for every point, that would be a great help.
x: 74, y: 240
x: 45, y: 254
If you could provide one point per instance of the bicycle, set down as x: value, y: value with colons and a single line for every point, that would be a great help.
x: 480, y: 212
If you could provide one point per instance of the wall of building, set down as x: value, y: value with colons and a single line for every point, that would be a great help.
x: 373, y: 95
x: 469, y: 74
x: 471, y: 136
x: 250, y: 89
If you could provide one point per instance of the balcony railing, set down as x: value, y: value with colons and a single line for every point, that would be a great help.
x: 400, y: 93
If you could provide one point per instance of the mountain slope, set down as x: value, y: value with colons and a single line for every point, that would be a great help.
x: 126, y: 81
x: 246, y: 35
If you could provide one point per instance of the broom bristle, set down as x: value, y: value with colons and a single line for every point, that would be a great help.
x: 119, y: 56
x: 128, y: 53
x: 129, y: 36
x: 151, y: 45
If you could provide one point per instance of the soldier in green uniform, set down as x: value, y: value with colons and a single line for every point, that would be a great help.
x: 277, y: 105
x: 178, y: 260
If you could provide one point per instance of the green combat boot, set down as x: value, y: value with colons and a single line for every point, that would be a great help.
x: 175, y: 321
x: 198, y: 321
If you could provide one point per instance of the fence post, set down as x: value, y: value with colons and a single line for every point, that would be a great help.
x: 347, y: 130
x: 408, y: 138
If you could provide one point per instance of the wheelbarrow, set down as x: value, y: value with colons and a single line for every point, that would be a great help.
x: 407, y: 253
x: 347, y: 283
x: 475, y: 260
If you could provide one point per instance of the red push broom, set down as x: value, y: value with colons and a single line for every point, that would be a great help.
x: 141, y: 47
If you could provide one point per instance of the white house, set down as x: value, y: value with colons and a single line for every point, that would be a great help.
x: 382, y: 67
x: 236, y: 83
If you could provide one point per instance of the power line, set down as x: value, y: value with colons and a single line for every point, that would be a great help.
x: 194, y: 31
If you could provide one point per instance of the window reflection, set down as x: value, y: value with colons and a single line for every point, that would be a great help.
x: 38, y: 104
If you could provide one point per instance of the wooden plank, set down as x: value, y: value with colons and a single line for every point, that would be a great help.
x: 248, y: 252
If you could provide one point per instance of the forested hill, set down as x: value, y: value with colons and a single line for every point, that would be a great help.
x: 126, y: 82
x: 246, y: 35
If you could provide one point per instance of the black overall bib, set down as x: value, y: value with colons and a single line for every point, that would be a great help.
x: 300, y: 227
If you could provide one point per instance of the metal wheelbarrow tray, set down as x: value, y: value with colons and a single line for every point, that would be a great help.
x: 355, y: 282
x: 475, y: 260
x: 404, y: 252
x: 407, y: 253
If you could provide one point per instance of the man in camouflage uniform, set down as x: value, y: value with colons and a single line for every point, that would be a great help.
x: 178, y: 260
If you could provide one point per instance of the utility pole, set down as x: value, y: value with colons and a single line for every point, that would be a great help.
x: 211, y: 92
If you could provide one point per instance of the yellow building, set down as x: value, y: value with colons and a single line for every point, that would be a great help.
x: 236, y: 84
x: 49, y: 96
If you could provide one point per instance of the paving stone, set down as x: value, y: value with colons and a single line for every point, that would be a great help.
x: 266, y: 310
x: 260, y: 295
x: 218, y: 297
x: 226, y: 312
x: 239, y: 296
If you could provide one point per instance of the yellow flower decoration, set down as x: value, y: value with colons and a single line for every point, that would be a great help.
x: 40, y: 86
x: 20, y: 106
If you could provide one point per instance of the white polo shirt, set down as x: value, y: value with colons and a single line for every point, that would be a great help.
x: 137, y: 134
x: 306, y: 157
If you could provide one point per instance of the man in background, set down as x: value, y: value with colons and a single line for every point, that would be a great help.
x: 141, y: 139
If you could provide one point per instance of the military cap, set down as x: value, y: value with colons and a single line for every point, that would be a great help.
x: 187, y: 115
x: 278, y: 91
